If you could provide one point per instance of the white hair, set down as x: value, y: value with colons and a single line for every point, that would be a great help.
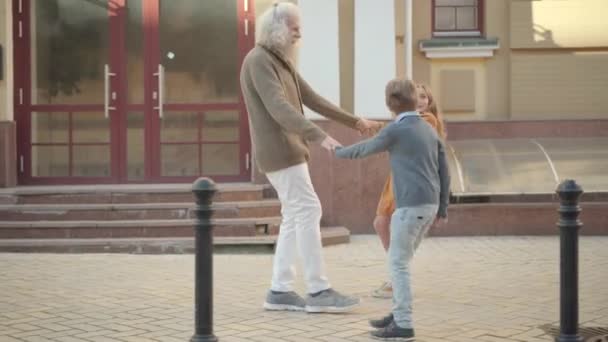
x: 272, y: 28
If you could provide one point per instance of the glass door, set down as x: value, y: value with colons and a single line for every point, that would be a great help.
x: 131, y: 90
x: 198, y: 121
x: 66, y: 91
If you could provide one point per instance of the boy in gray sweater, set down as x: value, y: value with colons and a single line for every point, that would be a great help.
x: 421, y: 185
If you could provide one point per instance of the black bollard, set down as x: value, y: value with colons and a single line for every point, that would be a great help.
x: 569, y: 225
x: 204, y: 189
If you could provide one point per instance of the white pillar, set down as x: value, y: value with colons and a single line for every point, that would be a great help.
x: 374, y: 56
x: 409, y: 44
x: 319, y: 61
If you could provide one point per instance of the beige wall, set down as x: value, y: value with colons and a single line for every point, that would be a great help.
x: 459, y: 86
x: 421, y: 65
x: 427, y: 71
x: 559, y: 85
x: 486, y: 96
x: 421, y: 22
x: 559, y: 68
x: 497, y: 67
x: 422, y: 30
x: 559, y: 23
x: 510, y: 88
x: 490, y: 102
x: 521, y: 81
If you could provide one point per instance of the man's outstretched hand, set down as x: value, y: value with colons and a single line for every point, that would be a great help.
x: 368, y: 127
x: 330, y: 144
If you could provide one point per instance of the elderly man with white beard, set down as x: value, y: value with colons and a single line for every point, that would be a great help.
x: 274, y: 94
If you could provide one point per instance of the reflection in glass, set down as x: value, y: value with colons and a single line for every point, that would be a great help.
x: 582, y: 159
x: 194, y: 131
x: 220, y: 159
x: 199, y: 50
x: 179, y: 160
x: 135, y: 146
x: 445, y: 19
x: 50, y: 161
x: 134, y: 47
x: 90, y: 128
x: 91, y: 161
x: 220, y: 126
x: 179, y: 127
x: 467, y: 18
x: 50, y: 127
x: 502, y: 166
x: 527, y: 165
x: 456, y: 184
x: 69, y: 49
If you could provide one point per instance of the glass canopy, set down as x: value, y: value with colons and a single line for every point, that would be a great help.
x: 520, y: 166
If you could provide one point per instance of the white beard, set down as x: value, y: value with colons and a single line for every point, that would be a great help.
x: 292, y: 53
x: 294, y: 56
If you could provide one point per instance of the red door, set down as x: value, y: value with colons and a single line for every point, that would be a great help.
x: 130, y: 90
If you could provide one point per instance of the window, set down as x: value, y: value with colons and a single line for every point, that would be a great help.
x: 457, y: 18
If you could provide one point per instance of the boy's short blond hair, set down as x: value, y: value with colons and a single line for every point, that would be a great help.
x: 401, y: 95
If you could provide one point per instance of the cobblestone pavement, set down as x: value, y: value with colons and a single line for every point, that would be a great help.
x: 465, y: 289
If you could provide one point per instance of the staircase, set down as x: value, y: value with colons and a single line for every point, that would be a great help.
x: 137, y: 218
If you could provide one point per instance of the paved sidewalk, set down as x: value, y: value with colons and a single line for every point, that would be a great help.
x: 466, y: 289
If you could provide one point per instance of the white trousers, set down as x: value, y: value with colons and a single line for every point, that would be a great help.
x: 300, y: 230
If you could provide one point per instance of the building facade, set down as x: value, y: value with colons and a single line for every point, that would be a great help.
x: 146, y: 91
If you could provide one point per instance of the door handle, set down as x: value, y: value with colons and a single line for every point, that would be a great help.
x: 106, y: 91
x: 161, y: 90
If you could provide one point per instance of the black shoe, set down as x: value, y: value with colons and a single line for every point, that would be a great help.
x: 382, y: 322
x: 393, y: 331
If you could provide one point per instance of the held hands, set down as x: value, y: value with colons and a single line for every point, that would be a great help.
x: 368, y: 127
x: 364, y: 126
x: 330, y: 144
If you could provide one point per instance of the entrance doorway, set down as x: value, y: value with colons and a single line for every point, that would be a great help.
x: 128, y: 91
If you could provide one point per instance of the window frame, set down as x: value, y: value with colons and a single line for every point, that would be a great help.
x: 475, y: 33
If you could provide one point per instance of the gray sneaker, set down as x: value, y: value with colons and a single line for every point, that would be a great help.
x: 284, y: 301
x: 331, y: 301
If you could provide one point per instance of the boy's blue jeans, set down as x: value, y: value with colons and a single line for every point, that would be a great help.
x: 408, y: 227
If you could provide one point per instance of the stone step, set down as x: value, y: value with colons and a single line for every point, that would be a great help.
x: 134, y: 228
x: 138, y: 211
x: 149, y: 245
x: 130, y: 193
x: 7, y: 199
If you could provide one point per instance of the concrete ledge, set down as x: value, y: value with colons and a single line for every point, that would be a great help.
x: 330, y: 236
